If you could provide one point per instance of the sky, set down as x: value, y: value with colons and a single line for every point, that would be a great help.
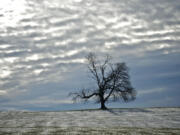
x: 43, y: 44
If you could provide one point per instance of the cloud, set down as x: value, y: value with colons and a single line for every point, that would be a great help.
x: 46, y: 101
x: 50, y: 40
x: 2, y: 92
x: 151, y: 91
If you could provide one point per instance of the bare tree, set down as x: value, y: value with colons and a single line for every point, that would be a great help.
x: 113, y: 82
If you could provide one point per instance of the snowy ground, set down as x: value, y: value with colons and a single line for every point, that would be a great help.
x: 116, y: 121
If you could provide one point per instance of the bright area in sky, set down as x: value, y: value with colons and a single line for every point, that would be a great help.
x: 2, y: 92
x: 11, y: 12
x: 43, y: 45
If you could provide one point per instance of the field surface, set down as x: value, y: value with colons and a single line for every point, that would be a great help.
x: 115, y: 121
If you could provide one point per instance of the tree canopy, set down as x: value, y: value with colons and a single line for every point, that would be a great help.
x: 112, y: 81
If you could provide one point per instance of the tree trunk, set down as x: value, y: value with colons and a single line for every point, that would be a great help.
x: 102, y: 100
x: 103, y: 107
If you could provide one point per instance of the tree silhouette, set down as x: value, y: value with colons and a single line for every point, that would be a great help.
x: 112, y: 80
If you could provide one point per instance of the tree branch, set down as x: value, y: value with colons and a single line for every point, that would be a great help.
x: 82, y: 95
x: 92, y: 67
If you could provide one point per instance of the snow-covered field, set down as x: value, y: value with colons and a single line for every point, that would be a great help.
x: 115, y: 121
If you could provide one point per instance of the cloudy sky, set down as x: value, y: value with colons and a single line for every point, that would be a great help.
x: 43, y: 44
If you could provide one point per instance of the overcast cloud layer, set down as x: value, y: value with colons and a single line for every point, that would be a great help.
x: 43, y: 44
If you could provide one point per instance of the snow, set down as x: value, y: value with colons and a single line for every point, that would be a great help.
x: 141, y: 118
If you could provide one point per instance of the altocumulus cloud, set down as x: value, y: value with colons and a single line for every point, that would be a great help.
x: 43, y: 44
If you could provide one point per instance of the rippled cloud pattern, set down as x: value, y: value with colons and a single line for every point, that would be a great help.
x: 43, y: 44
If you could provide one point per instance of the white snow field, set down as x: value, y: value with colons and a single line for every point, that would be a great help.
x: 114, y: 121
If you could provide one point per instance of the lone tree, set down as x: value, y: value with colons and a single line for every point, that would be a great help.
x: 113, y: 82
